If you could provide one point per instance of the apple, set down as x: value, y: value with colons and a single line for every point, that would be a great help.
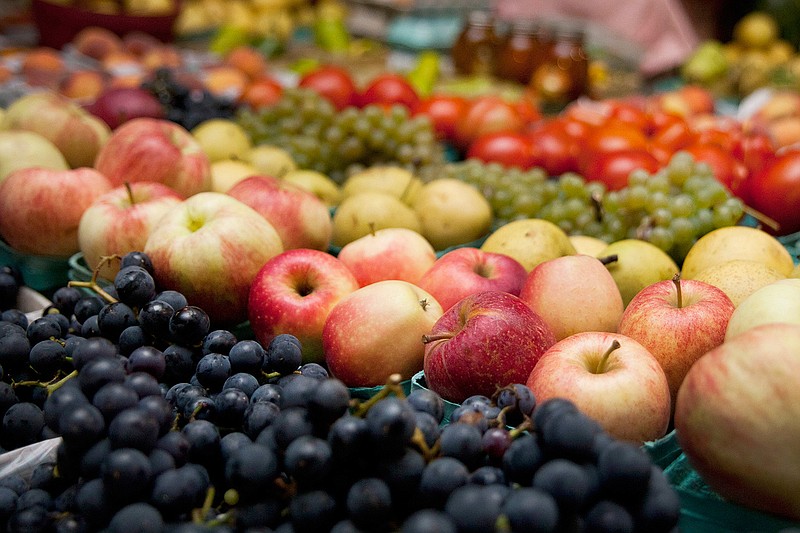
x: 41, y: 208
x: 678, y: 321
x: 737, y: 419
x: 612, y: 379
x: 375, y: 332
x: 24, y: 149
x: 117, y: 105
x: 464, y: 271
x: 293, y: 293
x: 487, y: 340
x: 151, y: 149
x: 388, y: 253
x: 778, y: 301
x: 574, y: 293
x: 120, y: 220
x: 301, y: 219
x: 210, y: 247
x: 78, y: 135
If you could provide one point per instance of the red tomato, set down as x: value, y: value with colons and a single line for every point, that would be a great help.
x: 261, y: 92
x: 509, y: 149
x: 612, y: 137
x: 756, y: 150
x: 389, y: 89
x: 630, y: 113
x: 486, y: 114
x: 613, y: 168
x: 554, y: 149
x: 727, y: 169
x: 672, y: 133
x: 332, y: 82
x: 444, y: 112
x: 775, y: 191
x: 528, y: 111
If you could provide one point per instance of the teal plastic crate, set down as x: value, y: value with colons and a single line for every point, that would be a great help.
x: 39, y: 272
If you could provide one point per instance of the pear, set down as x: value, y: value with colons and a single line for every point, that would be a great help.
x: 530, y: 241
x: 22, y: 149
x: 369, y: 211
x: 638, y: 264
x: 225, y: 173
x: 320, y: 185
x: 222, y: 138
x: 739, y: 278
x: 270, y: 160
x: 452, y: 212
x: 778, y: 301
x: 396, y: 181
x: 587, y: 245
x: 736, y: 242
x: 795, y: 273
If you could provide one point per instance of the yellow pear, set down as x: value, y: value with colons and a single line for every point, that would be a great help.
x: 736, y: 242
x: 530, y: 241
x: 395, y: 181
x: 795, y: 273
x: 226, y: 173
x: 452, y: 212
x: 317, y: 183
x: 638, y: 264
x: 222, y: 138
x: 270, y: 160
x: 369, y: 211
x: 587, y: 245
x: 778, y: 301
x: 739, y: 278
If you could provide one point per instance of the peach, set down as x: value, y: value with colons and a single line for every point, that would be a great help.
x: 138, y: 42
x: 97, y: 42
x: 83, y: 85
x: 161, y: 56
x: 248, y: 60
x: 42, y: 67
x: 225, y: 81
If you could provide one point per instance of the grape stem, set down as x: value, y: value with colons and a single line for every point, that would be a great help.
x: 676, y: 279
x: 51, y: 386
x: 392, y: 386
x: 199, y: 515
x: 92, y: 283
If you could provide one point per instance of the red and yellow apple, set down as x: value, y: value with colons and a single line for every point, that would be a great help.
x: 388, y: 253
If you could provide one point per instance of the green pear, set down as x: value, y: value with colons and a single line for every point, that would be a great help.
x: 530, y: 241
x: 638, y: 264
x: 739, y: 278
x: 366, y: 212
x: 23, y: 149
x: 395, y: 181
x: 317, y: 183
x: 778, y: 301
x: 452, y: 212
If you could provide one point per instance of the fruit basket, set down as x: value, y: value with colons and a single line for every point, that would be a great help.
x: 39, y: 272
x: 59, y: 23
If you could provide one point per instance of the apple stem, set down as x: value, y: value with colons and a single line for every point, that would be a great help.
x: 676, y: 279
x: 130, y: 192
x: 613, y: 258
x: 438, y: 337
x: 604, y: 359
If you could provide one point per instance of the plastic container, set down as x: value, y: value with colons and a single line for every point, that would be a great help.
x: 39, y: 272
x: 32, y: 303
x: 365, y: 393
x: 418, y: 382
x: 58, y: 24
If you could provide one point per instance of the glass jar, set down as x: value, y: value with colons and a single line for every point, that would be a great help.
x: 563, y: 75
x: 521, y: 51
x: 474, y: 49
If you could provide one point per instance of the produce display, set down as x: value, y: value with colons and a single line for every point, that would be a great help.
x: 296, y: 299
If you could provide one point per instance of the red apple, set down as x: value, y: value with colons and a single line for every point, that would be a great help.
x: 293, y: 293
x: 301, y: 219
x: 210, y: 247
x: 464, y: 271
x: 375, y: 332
x: 388, y: 253
x: 737, y: 418
x: 120, y: 221
x: 678, y: 321
x: 574, y: 293
x: 150, y: 149
x: 611, y: 378
x: 487, y: 340
x: 117, y: 105
x: 40, y: 208
x: 78, y: 135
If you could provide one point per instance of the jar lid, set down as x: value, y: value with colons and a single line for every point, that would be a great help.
x: 479, y: 17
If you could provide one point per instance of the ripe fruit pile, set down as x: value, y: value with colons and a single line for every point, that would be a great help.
x: 671, y: 208
x: 338, y: 143
x: 167, y: 423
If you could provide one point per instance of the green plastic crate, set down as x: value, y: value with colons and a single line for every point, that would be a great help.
x: 39, y: 272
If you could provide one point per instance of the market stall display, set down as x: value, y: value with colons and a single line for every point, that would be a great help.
x: 287, y: 292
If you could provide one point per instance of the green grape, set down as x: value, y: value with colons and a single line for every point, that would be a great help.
x: 658, y: 183
x: 682, y: 205
x: 661, y: 237
x: 661, y: 216
x: 638, y: 177
x: 683, y: 229
x: 680, y: 167
x: 656, y: 200
x: 573, y: 207
x: 637, y: 197
x: 572, y: 185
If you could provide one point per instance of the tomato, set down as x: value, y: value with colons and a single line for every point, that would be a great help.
x: 486, y: 114
x: 554, y: 149
x: 612, y: 137
x: 261, y: 92
x: 509, y: 149
x: 528, y: 111
x: 775, y: 191
x: 671, y: 133
x: 756, y: 150
x: 444, y: 112
x: 388, y: 89
x: 613, y: 168
x: 629, y: 113
x: 332, y: 82
x: 727, y: 169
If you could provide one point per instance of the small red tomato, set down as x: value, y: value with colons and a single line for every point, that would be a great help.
x: 486, y: 114
x: 510, y: 149
x: 554, y: 149
x: 444, y: 112
x: 755, y: 150
x: 775, y: 191
x: 332, y: 82
x: 261, y: 92
x: 389, y: 89
x: 672, y: 133
x: 629, y: 113
x: 613, y: 168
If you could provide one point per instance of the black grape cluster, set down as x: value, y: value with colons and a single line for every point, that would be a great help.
x: 183, y: 105
x: 10, y: 283
x: 168, y: 425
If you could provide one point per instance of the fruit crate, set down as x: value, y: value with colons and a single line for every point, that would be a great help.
x: 39, y: 272
x: 58, y: 23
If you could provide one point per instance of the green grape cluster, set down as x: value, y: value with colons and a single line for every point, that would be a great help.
x: 338, y: 143
x: 670, y: 208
